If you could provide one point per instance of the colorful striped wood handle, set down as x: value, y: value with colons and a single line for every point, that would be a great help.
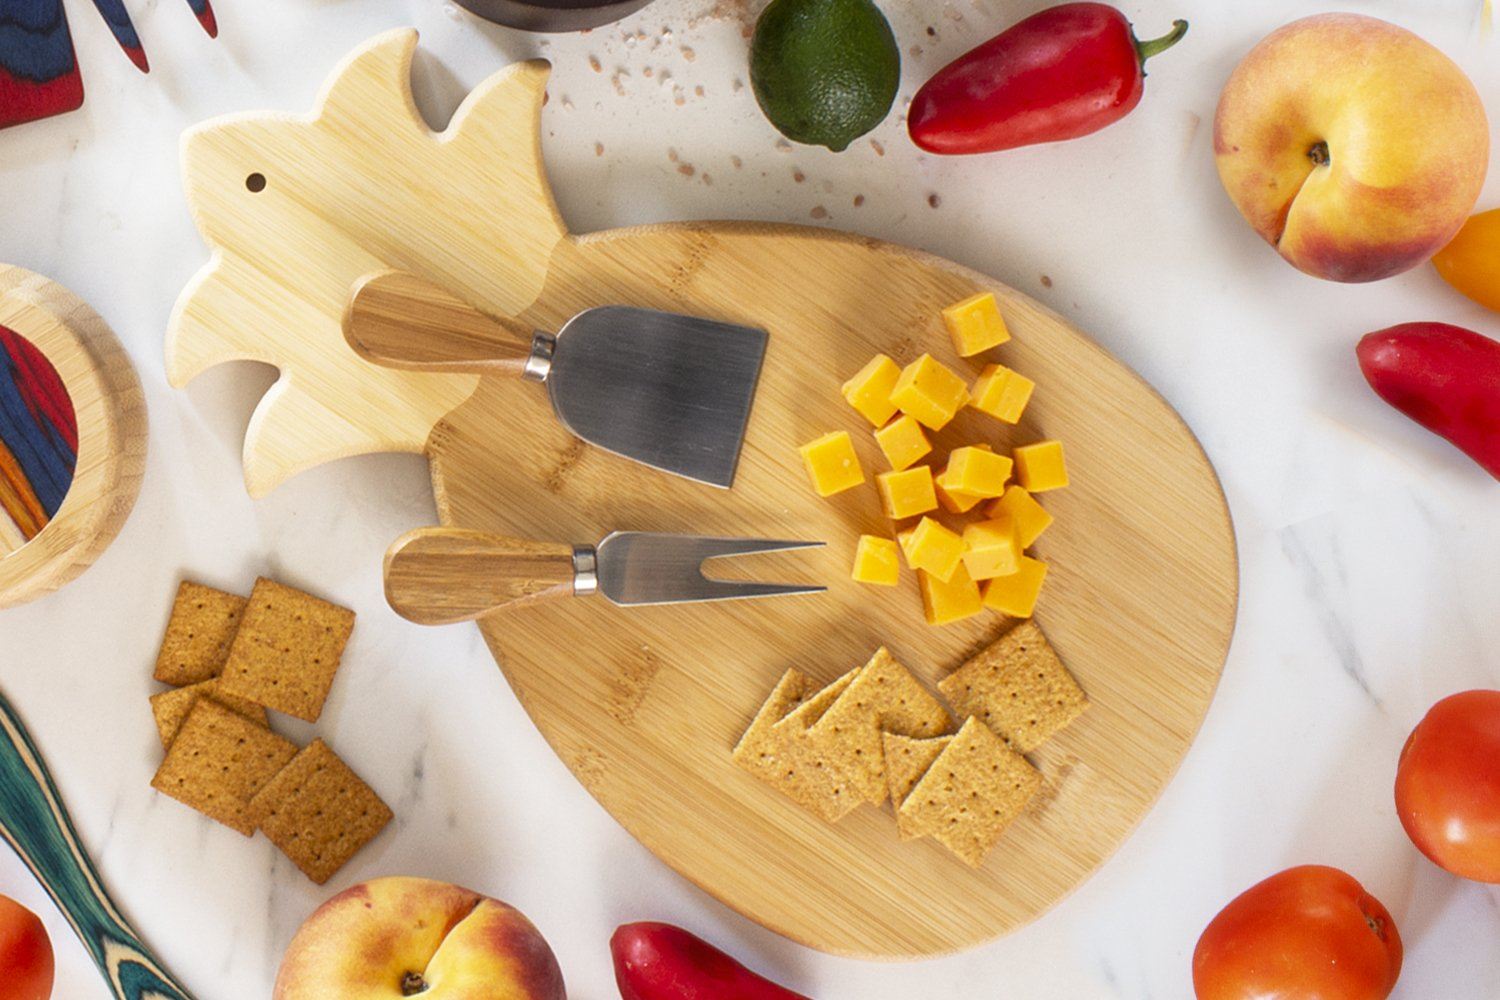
x: 34, y: 822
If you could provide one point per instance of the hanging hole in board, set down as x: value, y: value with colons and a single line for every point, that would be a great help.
x: 255, y: 183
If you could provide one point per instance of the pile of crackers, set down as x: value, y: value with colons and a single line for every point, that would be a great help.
x: 230, y: 659
x: 876, y: 735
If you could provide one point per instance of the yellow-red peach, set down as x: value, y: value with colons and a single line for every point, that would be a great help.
x: 1351, y: 145
x: 396, y: 938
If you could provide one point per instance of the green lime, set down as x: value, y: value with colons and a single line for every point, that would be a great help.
x: 824, y: 71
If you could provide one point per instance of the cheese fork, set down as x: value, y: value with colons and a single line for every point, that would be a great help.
x: 438, y: 576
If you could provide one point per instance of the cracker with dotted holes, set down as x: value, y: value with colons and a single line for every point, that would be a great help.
x: 776, y: 747
x: 202, y: 627
x: 169, y: 708
x: 973, y: 791
x: 287, y: 650
x: 218, y: 761
x: 884, y: 698
x: 1018, y: 687
x: 318, y: 812
x: 906, y: 761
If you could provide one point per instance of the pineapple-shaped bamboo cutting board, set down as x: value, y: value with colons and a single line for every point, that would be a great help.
x: 645, y: 705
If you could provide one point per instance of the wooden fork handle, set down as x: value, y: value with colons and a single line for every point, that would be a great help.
x: 438, y: 576
x: 398, y: 320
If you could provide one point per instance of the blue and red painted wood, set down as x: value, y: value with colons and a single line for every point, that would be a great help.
x: 205, y: 12
x: 38, y: 70
x: 38, y: 441
x: 118, y: 18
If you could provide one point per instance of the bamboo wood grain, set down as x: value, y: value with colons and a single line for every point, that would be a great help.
x: 440, y: 576
x: 34, y: 821
x: 402, y: 321
x: 645, y: 704
x: 110, y: 408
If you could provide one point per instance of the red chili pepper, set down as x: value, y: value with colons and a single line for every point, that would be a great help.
x: 1445, y: 378
x: 662, y: 962
x: 1059, y: 74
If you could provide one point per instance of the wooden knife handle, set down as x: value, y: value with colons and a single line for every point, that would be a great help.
x: 35, y: 823
x: 398, y: 320
x: 438, y: 576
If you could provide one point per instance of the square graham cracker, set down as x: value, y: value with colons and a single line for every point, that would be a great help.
x: 777, y: 748
x: 1018, y: 687
x: 218, y: 761
x: 906, y: 761
x: 971, y: 793
x: 202, y: 627
x: 884, y: 697
x: 169, y: 708
x: 318, y: 812
x: 287, y: 650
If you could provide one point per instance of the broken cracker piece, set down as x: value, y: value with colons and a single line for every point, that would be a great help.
x: 884, y: 697
x: 287, y: 650
x: 803, y: 716
x: 202, y: 627
x: 318, y: 812
x: 169, y: 708
x: 906, y: 761
x: 218, y: 761
x: 777, y: 748
x: 1019, y: 687
x: 973, y: 791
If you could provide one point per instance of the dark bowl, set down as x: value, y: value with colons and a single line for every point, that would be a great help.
x: 553, y: 15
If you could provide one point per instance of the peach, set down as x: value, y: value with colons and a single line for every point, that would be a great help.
x: 402, y: 937
x: 1352, y: 146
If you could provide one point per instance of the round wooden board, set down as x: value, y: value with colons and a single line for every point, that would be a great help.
x: 101, y: 399
x: 645, y: 704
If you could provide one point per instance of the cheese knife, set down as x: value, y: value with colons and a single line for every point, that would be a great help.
x: 671, y: 391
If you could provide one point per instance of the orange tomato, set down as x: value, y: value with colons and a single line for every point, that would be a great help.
x: 1471, y: 263
x: 1309, y: 933
x: 25, y: 954
x: 1448, y: 785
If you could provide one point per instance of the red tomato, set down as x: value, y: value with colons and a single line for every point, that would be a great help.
x: 1448, y: 785
x: 1310, y: 933
x: 25, y: 954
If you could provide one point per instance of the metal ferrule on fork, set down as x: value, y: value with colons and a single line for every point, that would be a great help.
x: 585, y: 570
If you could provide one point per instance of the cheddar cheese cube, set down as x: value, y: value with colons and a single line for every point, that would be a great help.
x: 930, y: 392
x: 975, y: 324
x: 943, y: 603
x: 1016, y: 595
x: 976, y: 471
x: 907, y: 493
x: 1030, y: 517
x: 1002, y: 393
x: 935, y: 549
x: 869, y: 392
x: 1041, y: 467
x: 903, y: 442
x: 991, y: 548
x: 903, y: 539
x: 954, y: 501
x: 832, y: 464
x: 876, y: 561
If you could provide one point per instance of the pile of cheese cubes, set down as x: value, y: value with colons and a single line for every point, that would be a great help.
x: 984, y: 566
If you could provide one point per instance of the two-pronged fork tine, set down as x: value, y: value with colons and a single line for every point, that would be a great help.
x: 437, y: 576
x: 647, y: 568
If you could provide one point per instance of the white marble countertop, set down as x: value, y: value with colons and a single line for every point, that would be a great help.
x: 1368, y: 547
